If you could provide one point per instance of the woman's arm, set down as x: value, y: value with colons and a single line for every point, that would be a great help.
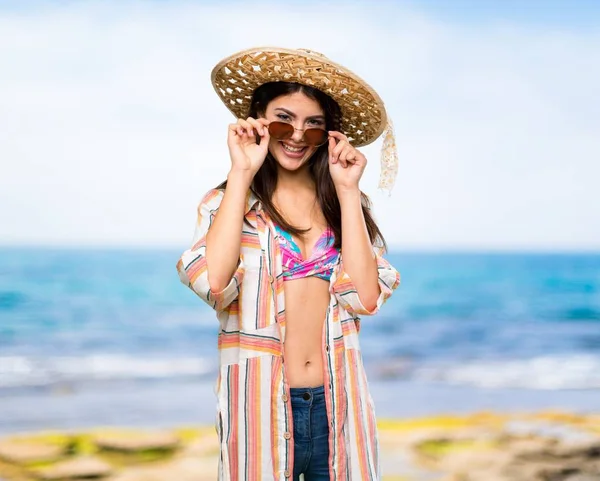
x: 192, y: 266
x: 364, y: 279
x: 225, y: 236
x: 360, y: 262
x: 223, y: 240
x: 213, y: 268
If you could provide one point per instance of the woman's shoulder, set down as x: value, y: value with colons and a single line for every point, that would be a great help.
x: 211, y: 199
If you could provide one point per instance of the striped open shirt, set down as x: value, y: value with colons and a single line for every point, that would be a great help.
x: 254, y: 418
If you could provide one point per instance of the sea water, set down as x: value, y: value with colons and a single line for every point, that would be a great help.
x: 108, y: 336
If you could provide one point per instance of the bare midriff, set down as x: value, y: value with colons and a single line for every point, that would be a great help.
x: 306, y: 303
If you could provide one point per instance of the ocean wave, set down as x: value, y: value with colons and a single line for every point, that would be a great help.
x: 22, y: 371
x: 559, y: 372
x: 541, y: 373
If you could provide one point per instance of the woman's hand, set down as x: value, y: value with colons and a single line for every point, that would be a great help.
x: 346, y: 163
x: 246, y: 155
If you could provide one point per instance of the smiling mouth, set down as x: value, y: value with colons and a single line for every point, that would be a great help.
x: 293, y: 150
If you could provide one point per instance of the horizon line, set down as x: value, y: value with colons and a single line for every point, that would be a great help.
x: 532, y: 250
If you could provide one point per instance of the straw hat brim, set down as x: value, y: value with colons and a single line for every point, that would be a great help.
x: 236, y: 77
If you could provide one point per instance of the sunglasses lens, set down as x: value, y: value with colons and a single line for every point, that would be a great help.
x: 315, y: 137
x: 281, y: 130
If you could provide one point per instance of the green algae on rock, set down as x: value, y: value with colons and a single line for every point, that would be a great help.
x: 550, y: 446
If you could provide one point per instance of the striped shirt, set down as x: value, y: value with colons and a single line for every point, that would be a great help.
x: 254, y: 418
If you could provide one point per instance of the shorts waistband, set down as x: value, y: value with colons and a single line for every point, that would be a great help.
x: 307, y: 396
x: 299, y: 391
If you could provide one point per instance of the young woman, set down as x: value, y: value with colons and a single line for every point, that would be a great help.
x: 287, y: 253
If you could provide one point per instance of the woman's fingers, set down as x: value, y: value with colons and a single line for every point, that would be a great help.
x: 265, y: 137
x: 245, y: 131
x: 236, y: 130
x: 348, y: 155
x: 331, y: 146
x: 252, y: 125
x: 245, y: 127
x: 264, y: 123
x: 258, y: 126
x: 335, y: 148
x: 338, y: 149
x: 342, y: 151
x: 338, y: 135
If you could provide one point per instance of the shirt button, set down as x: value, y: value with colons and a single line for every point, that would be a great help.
x: 327, y: 347
x: 287, y: 435
x: 286, y: 473
x: 284, y: 397
x: 271, y: 279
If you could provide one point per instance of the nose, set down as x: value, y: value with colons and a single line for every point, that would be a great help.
x: 298, y: 135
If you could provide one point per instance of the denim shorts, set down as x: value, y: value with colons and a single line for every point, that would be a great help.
x: 311, y: 433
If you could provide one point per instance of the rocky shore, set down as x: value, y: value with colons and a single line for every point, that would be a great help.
x: 544, y: 446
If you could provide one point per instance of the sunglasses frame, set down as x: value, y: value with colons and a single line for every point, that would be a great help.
x: 293, y: 129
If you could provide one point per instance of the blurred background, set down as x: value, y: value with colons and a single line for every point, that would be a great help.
x: 110, y: 134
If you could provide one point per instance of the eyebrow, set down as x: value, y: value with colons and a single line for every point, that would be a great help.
x: 292, y: 114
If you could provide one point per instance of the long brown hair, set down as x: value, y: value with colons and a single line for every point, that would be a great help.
x: 264, y: 182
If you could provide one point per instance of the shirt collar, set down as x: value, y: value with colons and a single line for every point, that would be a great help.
x: 251, y: 201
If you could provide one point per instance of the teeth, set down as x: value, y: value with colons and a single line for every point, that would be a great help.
x: 291, y: 149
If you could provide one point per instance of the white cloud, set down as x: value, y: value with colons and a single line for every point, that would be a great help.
x: 110, y: 131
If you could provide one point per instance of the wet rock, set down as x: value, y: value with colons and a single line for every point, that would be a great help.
x: 529, y: 447
x: 23, y: 453
x: 437, y: 436
x: 514, y: 455
x: 583, y: 477
x: 188, y: 469
x: 87, y: 467
x: 137, y: 442
x: 470, y: 461
x: 423, y: 435
x: 587, y: 449
x: 550, y: 470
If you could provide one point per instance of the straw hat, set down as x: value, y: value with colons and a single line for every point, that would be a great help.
x: 364, y: 117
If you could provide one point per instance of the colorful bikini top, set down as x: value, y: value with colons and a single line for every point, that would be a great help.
x: 320, y: 263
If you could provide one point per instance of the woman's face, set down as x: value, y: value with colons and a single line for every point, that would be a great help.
x: 303, y: 113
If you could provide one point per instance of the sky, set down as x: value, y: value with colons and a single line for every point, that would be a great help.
x: 111, y: 133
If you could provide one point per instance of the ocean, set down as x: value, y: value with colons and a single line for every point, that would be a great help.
x: 107, y: 336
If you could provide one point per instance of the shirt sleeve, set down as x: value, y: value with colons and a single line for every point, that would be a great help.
x: 347, y: 295
x: 192, y: 267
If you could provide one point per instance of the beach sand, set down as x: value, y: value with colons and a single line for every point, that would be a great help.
x: 545, y: 446
x: 163, y: 431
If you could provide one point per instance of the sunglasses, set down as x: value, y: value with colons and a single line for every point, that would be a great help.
x: 284, y: 131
